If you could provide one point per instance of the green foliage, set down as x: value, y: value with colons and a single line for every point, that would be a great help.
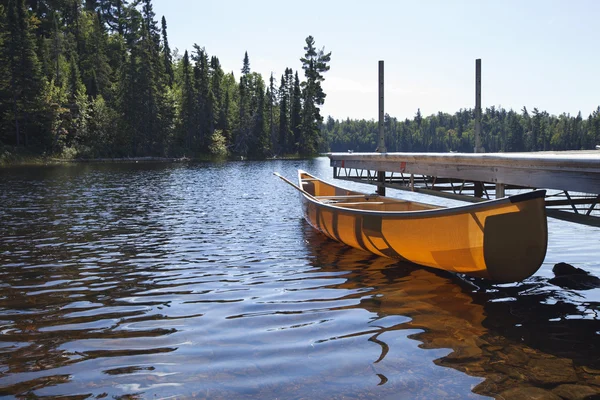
x: 246, y: 65
x: 166, y: 51
x: 218, y: 144
x: 501, y: 131
x: 97, y: 78
x: 314, y: 63
x: 22, y: 78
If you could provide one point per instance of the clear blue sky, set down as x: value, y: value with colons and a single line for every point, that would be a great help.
x: 535, y: 53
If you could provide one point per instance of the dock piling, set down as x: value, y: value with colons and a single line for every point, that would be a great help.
x: 478, y: 147
x: 381, y: 145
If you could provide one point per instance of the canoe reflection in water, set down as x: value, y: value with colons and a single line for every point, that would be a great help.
x: 525, y: 340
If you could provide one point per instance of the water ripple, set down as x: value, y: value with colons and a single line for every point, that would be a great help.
x: 202, y: 281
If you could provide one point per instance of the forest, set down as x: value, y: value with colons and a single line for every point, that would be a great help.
x: 98, y: 79
x: 501, y: 131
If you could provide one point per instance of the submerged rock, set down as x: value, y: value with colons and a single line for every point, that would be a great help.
x: 562, y: 268
x: 570, y: 277
x: 576, y: 392
x: 527, y: 393
x: 551, y: 371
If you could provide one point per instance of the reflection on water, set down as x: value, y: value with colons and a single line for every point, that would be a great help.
x: 523, y: 337
x: 202, y: 281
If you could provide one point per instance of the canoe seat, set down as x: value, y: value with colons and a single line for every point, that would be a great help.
x: 350, y: 196
x: 356, y: 203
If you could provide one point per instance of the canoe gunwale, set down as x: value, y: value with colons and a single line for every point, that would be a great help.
x: 436, y: 212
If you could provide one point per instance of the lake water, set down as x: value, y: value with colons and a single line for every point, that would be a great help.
x: 202, y: 280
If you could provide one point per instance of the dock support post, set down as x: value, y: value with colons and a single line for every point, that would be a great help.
x: 381, y: 144
x: 478, y: 148
x: 478, y: 189
x: 500, y: 190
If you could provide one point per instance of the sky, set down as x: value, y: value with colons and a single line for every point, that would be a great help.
x: 535, y: 53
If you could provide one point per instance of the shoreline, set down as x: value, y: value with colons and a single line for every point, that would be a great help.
x: 48, y: 161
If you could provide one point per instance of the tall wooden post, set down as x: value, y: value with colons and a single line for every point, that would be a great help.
x: 478, y: 189
x: 381, y: 142
x: 478, y: 148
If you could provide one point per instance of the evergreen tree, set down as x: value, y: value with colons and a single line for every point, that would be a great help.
x: 23, y: 74
x: 229, y: 111
x: 96, y: 72
x: 57, y: 49
x: 244, y: 130
x: 296, y: 114
x: 166, y: 50
x: 284, y: 126
x: 216, y: 79
x: 259, y: 141
x: 271, y: 101
x: 115, y: 14
x: 149, y: 21
x: 156, y: 110
x: 204, y: 116
x: 246, y: 65
x: 314, y: 64
x: 130, y: 105
x: 187, y: 110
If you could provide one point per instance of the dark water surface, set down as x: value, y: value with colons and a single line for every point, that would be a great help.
x: 203, y: 281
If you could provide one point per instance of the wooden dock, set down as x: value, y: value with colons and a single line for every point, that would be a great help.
x: 572, y: 177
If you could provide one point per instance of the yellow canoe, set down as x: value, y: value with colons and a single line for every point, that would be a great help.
x: 503, y: 240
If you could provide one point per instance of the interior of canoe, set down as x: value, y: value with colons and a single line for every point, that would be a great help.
x: 330, y: 194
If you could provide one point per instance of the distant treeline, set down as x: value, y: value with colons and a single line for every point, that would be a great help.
x: 97, y: 78
x: 501, y: 131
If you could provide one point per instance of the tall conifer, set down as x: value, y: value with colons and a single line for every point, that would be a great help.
x: 24, y: 74
x: 284, y: 126
x: 246, y: 65
x: 166, y: 51
x: 314, y: 63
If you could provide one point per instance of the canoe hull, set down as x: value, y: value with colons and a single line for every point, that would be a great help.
x: 504, y: 241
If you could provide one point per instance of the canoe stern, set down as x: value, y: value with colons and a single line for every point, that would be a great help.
x: 515, y: 244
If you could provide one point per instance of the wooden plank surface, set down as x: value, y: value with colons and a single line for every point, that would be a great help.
x: 569, y: 170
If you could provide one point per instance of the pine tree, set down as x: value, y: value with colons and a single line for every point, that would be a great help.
x: 115, y: 14
x: 23, y: 73
x: 130, y: 105
x: 156, y: 110
x: 515, y: 137
x: 284, y: 127
x: 166, y: 50
x: 259, y: 141
x: 57, y: 50
x: 243, y: 132
x: 296, y: 114
x: 271, y: 100
x: 150, y: 23
x: 96, y: 72
x: 204, y: 115
x: 246, y: 65
x: 186, y: 115
x: 5, y: 94
x: 314, y: 64
x: 216, y: 79
x: 229, y: 111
